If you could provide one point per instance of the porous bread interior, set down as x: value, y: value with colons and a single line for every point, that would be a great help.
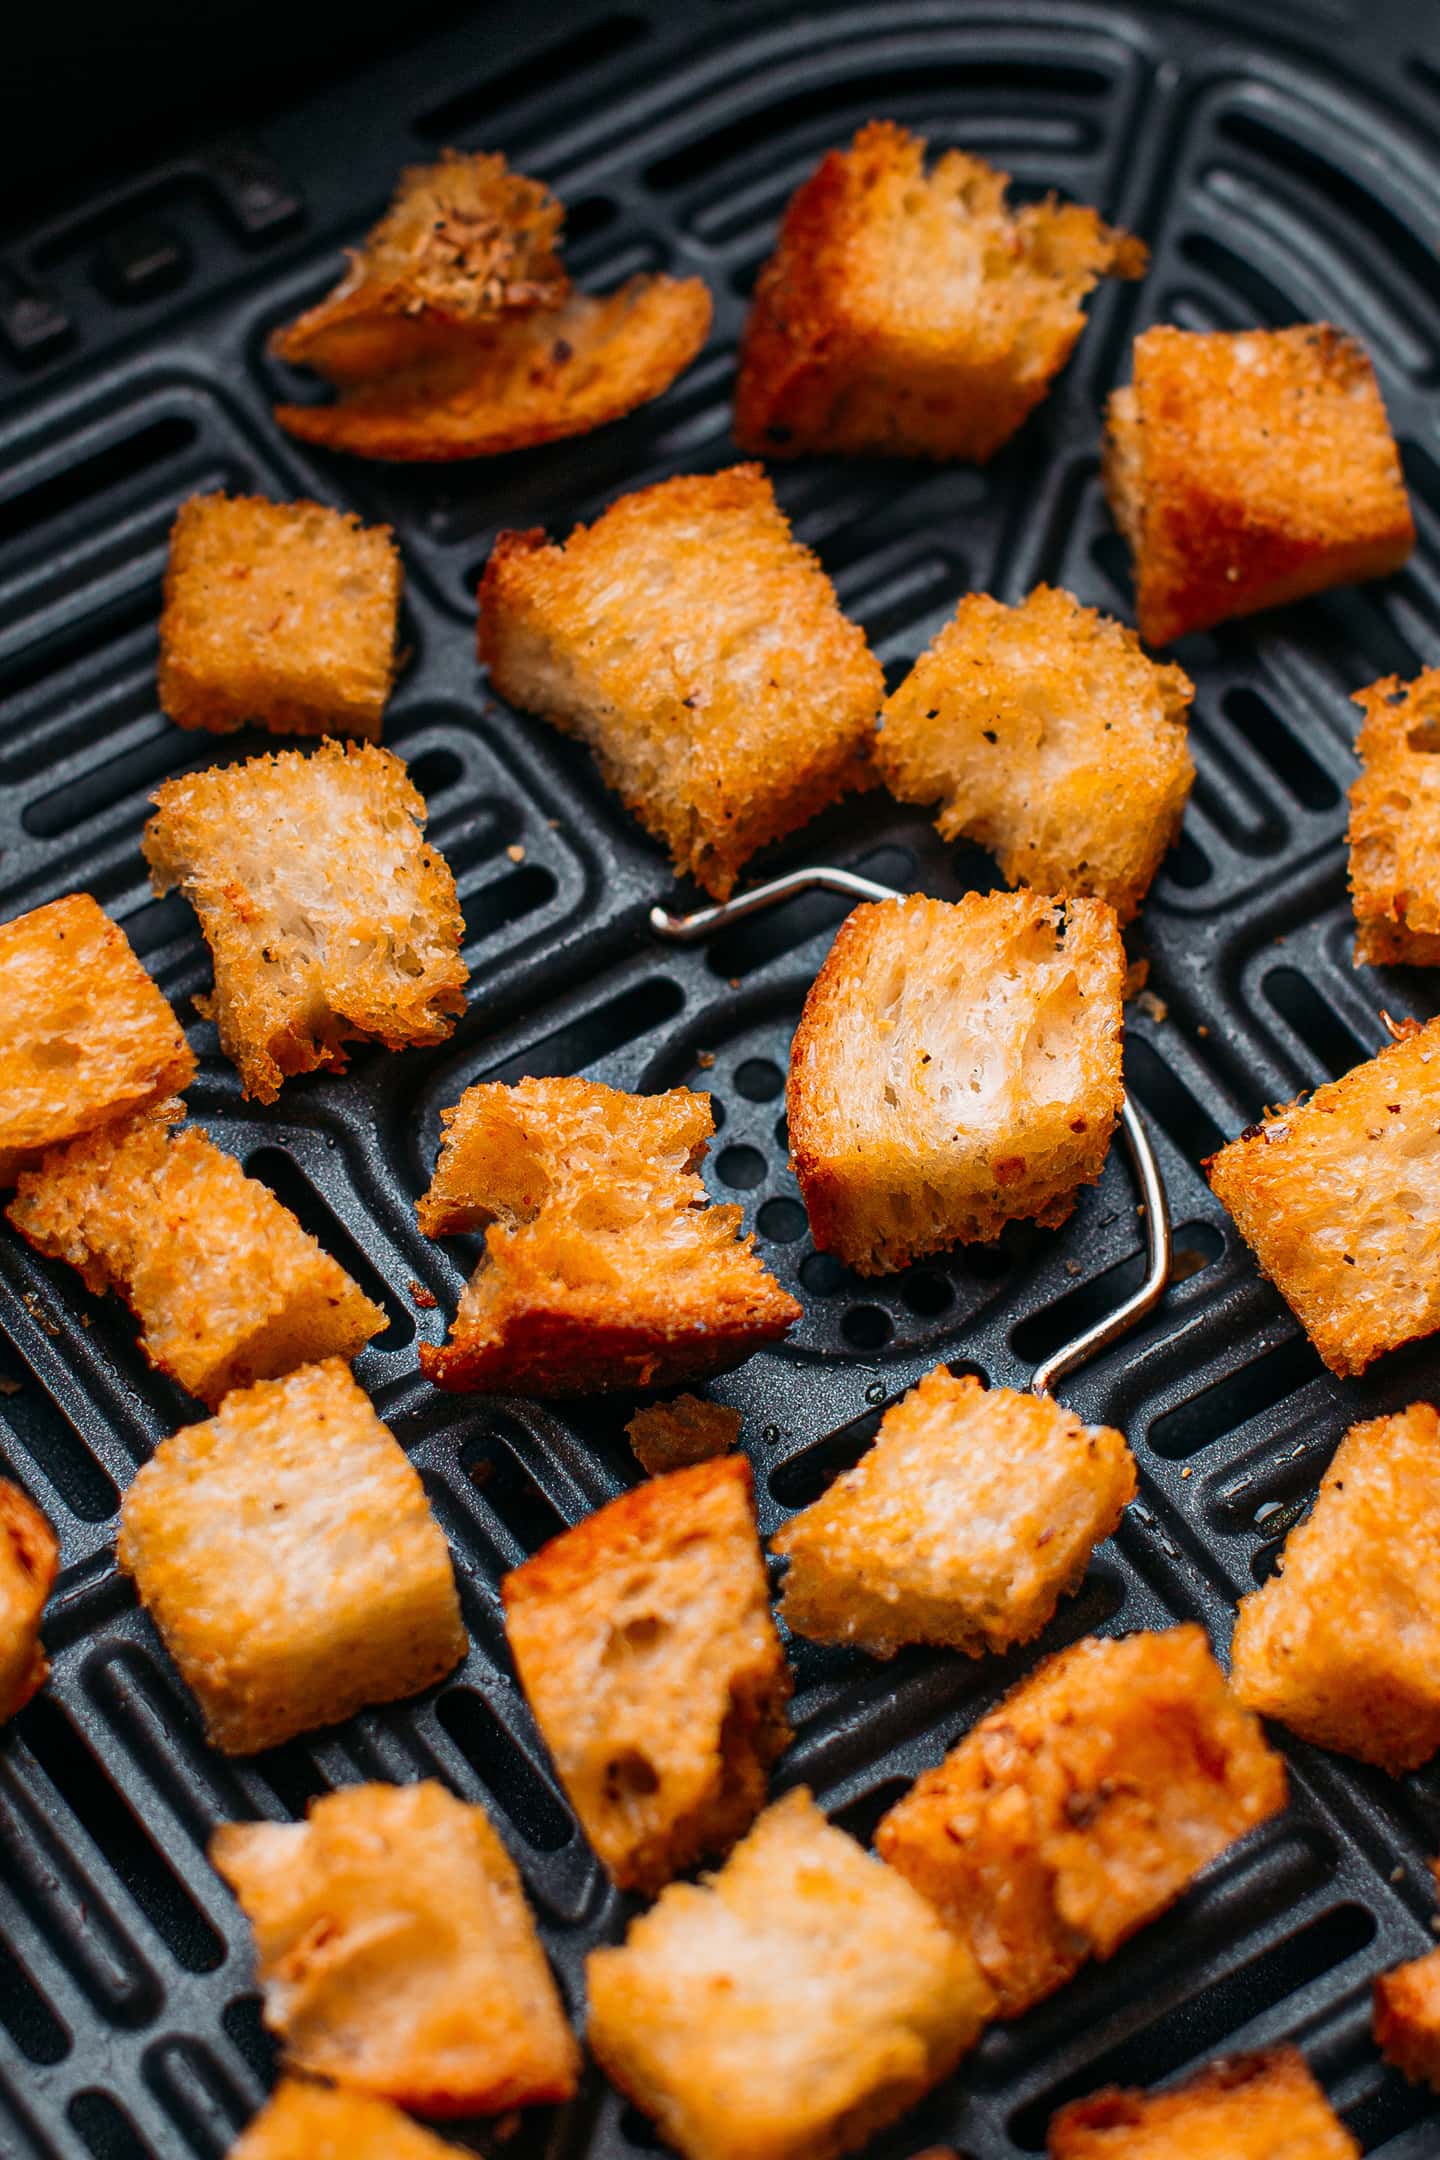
x: 1249, y: 2107
x: 305, y: 2121
x: 1394, y: 831
x: 29, y: 1559
x: 1406, y: 2019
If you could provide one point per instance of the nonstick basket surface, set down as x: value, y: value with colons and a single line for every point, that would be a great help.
x: 1283, y: 161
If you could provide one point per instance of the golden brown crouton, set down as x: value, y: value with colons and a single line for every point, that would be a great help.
x: 396, y: 1952
x: 1337, y: 1198
x: 644, y: 1643
x: 788, y: 2006
x: 1250, y: 467
x: 1395, y: 824
x: 282, y: 614
x: 965, y: 1524
x: 85, y: 1035
x: 956, y: 1065
x: 1049, y: 737
x: 302, y: 2121
x: 676, y: 1434
x: 287, y: 1554
x: 328, y: 918
x: 29, y: 1554
x: 1406, y: 2019
x: 1083, y: 1806
x: 1250, y: 2107
x: 603, y: 1267
x: 914, y: 313
x: 700, y: 652
x: 226, y: 1285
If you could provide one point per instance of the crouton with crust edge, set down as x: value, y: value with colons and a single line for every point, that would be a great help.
x: 1406, y: 2015
x: 301, y: 2121
x: 1394, y: 821
x: 29, y: 1557
x: 686, y: 1430
x: 1244, y: 2107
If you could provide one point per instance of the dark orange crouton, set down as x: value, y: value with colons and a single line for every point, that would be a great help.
x: 1083, y: 1806
x: 1250, y: 467
x: 644, y: 1643
x: 226, y: 1285
x: 1406, y: 2020
x: 85, y: 1035
x: 603, y: 1267
x: 699, y: 650
x: 1048, y: 736
x: 396, y: 1952
x: 1338, y: 1199
x: 673, y: 1435
x: 328, y: 918
x: 914, y: 313
x: 29, y: 1555
x: 301, y: 2121
x: 1395, y: 824
x: 1250, y: 2107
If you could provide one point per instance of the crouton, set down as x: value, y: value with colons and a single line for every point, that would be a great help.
x: 956, y: 1065
x: 328, y: 918
x: 1406, y: 2019
x: 1049, y: 737
x: 1249, y: 2107
x: 1337, y: 1199
x: 1394, y: 823
x: 396, y: 1952
x: 86, y: 1036
x: 699, y: 650
x: 965, y: 1524
x: 1083, y: 1806
x: 301, y: 2121
x: 644, y: 1643
x: 677, y: 1434
x: 287, y: 1554
x: 226, y: 1285
x: 914, y: 313
x: 602, y: 1266
x: 282, y: 614
x: 1251, y: 467
x: 788, y: 2006
x: 29, y: 1555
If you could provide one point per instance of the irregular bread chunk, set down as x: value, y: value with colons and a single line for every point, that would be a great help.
x: 673, y: 1435
x: 301, y: 2121
x: 1395, y: 824
x: 29, y: 1556
x: 1406, y: 2019
x: 1250, y: 2107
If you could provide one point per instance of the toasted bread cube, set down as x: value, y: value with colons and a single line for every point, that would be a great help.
x: 1395, y: 824
x: 914, y: 313
x: 302, y: 2121
x: 1406, y: 2020
x: 396, y: 1952
x: 1249, y: 2107
x: 1083, y: 1806
x: 85, y: 1035
x: 957, y: 1065
x: 1049, y: 737
x: 328, y: 918
x: 603, y: 1267
x: 29, y: 1555
x: 281, y: 614
x: 965, y: 1524
x: 788, y: 2006
x: 226, y: 1285
x: 1337, y: 1198
x: 677, y: 1434
x: 1251, y: 467
x: 700, y: 652
x: 644, y: 1643
x: 287, y: 1554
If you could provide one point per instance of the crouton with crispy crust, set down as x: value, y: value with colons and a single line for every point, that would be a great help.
x: 644, y: 1643
x: 287, y: 1554
x: 788, y: 2006
x: 972, y: 1515
x: 699, y: 650
x: 1248, y: 2107
x: 1395, y: 824
x: 1049, y: 737
x: 676, y: 1434
x: 302, y: 2121
x: 29, y: 1556
x: 1251, y: 467
x: 396, y: 1952
x: 1406, y: 2018
x: 603, y: 1265
x: 957, y: 1065
x: 85, y: 1035
x: 226, y: 1285
x: 1083, y: 1806
x: 1337, y: 1199
x: 328, y: 918
x: 915, y: 313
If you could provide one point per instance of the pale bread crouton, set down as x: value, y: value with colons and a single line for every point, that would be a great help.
x: 226, y: 1285
x: 328, y: 918
x: 1395, y: 824
x: 1342, y: 1644
x: 278, y: 614
x: 676, y: 1434
x: 1048, y: 736
x: 301, y: 2121
x: 396, y: 1952
x: 967, y: 1521
x: 1406, y: 2016
x: 1249, y: 2107
x: 700, y: 651
x: 603, y: 1266
x: 29, y: 1555
x: 645, y: 1646
x: 957, y: 1065
x: 85, y: 1035
x: 1251, y: 467
x: 788, y: 2006
x: 915, y: 313
x: 1338, y: 1200
x: 1083, y: 1806
x: 286, y: 1552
